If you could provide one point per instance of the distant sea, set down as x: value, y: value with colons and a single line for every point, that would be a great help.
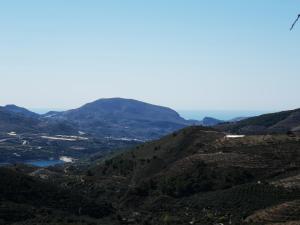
x: 219, y: 114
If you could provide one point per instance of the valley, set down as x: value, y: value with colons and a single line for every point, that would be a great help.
x: 92, y: 167
x: 24, y: 147
x: 194, y: 176
x: 149, y: 112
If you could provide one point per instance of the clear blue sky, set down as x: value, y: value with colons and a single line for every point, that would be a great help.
x: 186, y: 54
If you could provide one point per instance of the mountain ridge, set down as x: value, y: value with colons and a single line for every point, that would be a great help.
x: 278, y: 122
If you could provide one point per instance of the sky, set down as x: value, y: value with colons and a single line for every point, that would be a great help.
x: 188, y: 55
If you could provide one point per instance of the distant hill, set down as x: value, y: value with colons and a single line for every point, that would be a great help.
x: 209, y: 121
x: 25, y: 137
x: 21, y: 111
x: 280, y: 122
x: 118, y: 117
x: 21, y: 120
x: 12, y: 121
x: 99, y: 127
x: 237, y: 119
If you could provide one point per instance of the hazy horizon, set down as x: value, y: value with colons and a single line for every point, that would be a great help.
x: 197, y: 114
x: 188, y: 114
x: 191, y: 55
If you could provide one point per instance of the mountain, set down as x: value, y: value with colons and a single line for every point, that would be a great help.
x: 280, y: 122
x: 112, y: 118
x: 25, y: 136
x: 209, y: 121
x: 119, y: 118
x: 108, y: 125
x: 21, y: 120
x: 97, y: 128
x: 21, y: 111
x: 12, y: 121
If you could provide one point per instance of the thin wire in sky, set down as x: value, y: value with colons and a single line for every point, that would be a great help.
x: 295, y: 22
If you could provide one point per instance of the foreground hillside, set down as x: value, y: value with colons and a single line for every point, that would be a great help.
x: 194, y: 176
x: 27, y: 200
x: 198, y: 176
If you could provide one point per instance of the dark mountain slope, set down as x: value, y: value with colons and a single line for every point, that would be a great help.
x: 11, y: 121
x: 199, y: 176
x: 194, y: 176
x: 19, y: 121
x: 26, y: 136
x: 119, y: 117
x: 21, y: 111
x: 280, y: 122
x: 27, y: 198
x: 209, y: 121
x: 118, y: 108
x: 113, y: 118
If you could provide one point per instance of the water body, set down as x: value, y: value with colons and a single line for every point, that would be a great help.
x: 39, y: 163
x: 44, y: 163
